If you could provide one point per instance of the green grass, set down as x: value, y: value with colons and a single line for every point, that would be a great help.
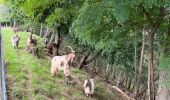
x: 28, y: 78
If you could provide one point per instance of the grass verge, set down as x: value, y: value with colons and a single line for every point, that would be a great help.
x: 28, y: 78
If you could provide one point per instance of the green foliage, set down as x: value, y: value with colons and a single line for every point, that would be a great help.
x: 54, y: 14
x: 165, y: 63
x: 110, y: 25
x: 53, y: 20
x: 4, y: 13
x: 100, y: 26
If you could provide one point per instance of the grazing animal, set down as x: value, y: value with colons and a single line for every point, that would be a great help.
x: 34, y: 50
x: 89, y: 87
x: 31, y: 41
x: 61, y: 63
x: 15, y: 41
x: 51, y: 47
x: 31, y: 46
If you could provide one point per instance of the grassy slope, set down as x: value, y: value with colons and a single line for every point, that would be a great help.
x: 28, y: 78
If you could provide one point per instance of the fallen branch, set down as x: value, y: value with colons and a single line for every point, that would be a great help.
x: 125, y: 95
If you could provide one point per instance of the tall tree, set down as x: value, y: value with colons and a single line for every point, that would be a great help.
x: 116, y: 19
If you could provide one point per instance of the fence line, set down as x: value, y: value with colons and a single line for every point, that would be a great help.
x: 3, y: 79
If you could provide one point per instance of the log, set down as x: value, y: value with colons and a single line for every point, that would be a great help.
x: 125, y: 95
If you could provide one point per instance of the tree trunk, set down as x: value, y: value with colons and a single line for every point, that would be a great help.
x: 123, y: 77
x: 133, y: 85
x: 135, y: 56
x: 85, y: 62
x: 141, y: 62
x: 59, y: 40
x: 96, y: 67
x: 52, y: 37
x: 107, y: 72
x: 151, y: 87
x: 46, y: 33
x: 10, y: 24
x: 119, y: 78
x: 6, y: 23
x: 126, y: 79
x: 82, y: 61
x: 56, y: 37
x: 113, y: 76
x: 14, y: 24
x: 129, y: 84
x: 154, y: 27
x: 93, y: 58
x: 41, y: 30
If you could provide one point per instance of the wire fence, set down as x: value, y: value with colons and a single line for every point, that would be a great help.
x: 3, y: 81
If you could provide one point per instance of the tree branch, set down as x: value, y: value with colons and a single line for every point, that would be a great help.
x: 147, y: 14
x: 158, y: 21
x: 92, y: 59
